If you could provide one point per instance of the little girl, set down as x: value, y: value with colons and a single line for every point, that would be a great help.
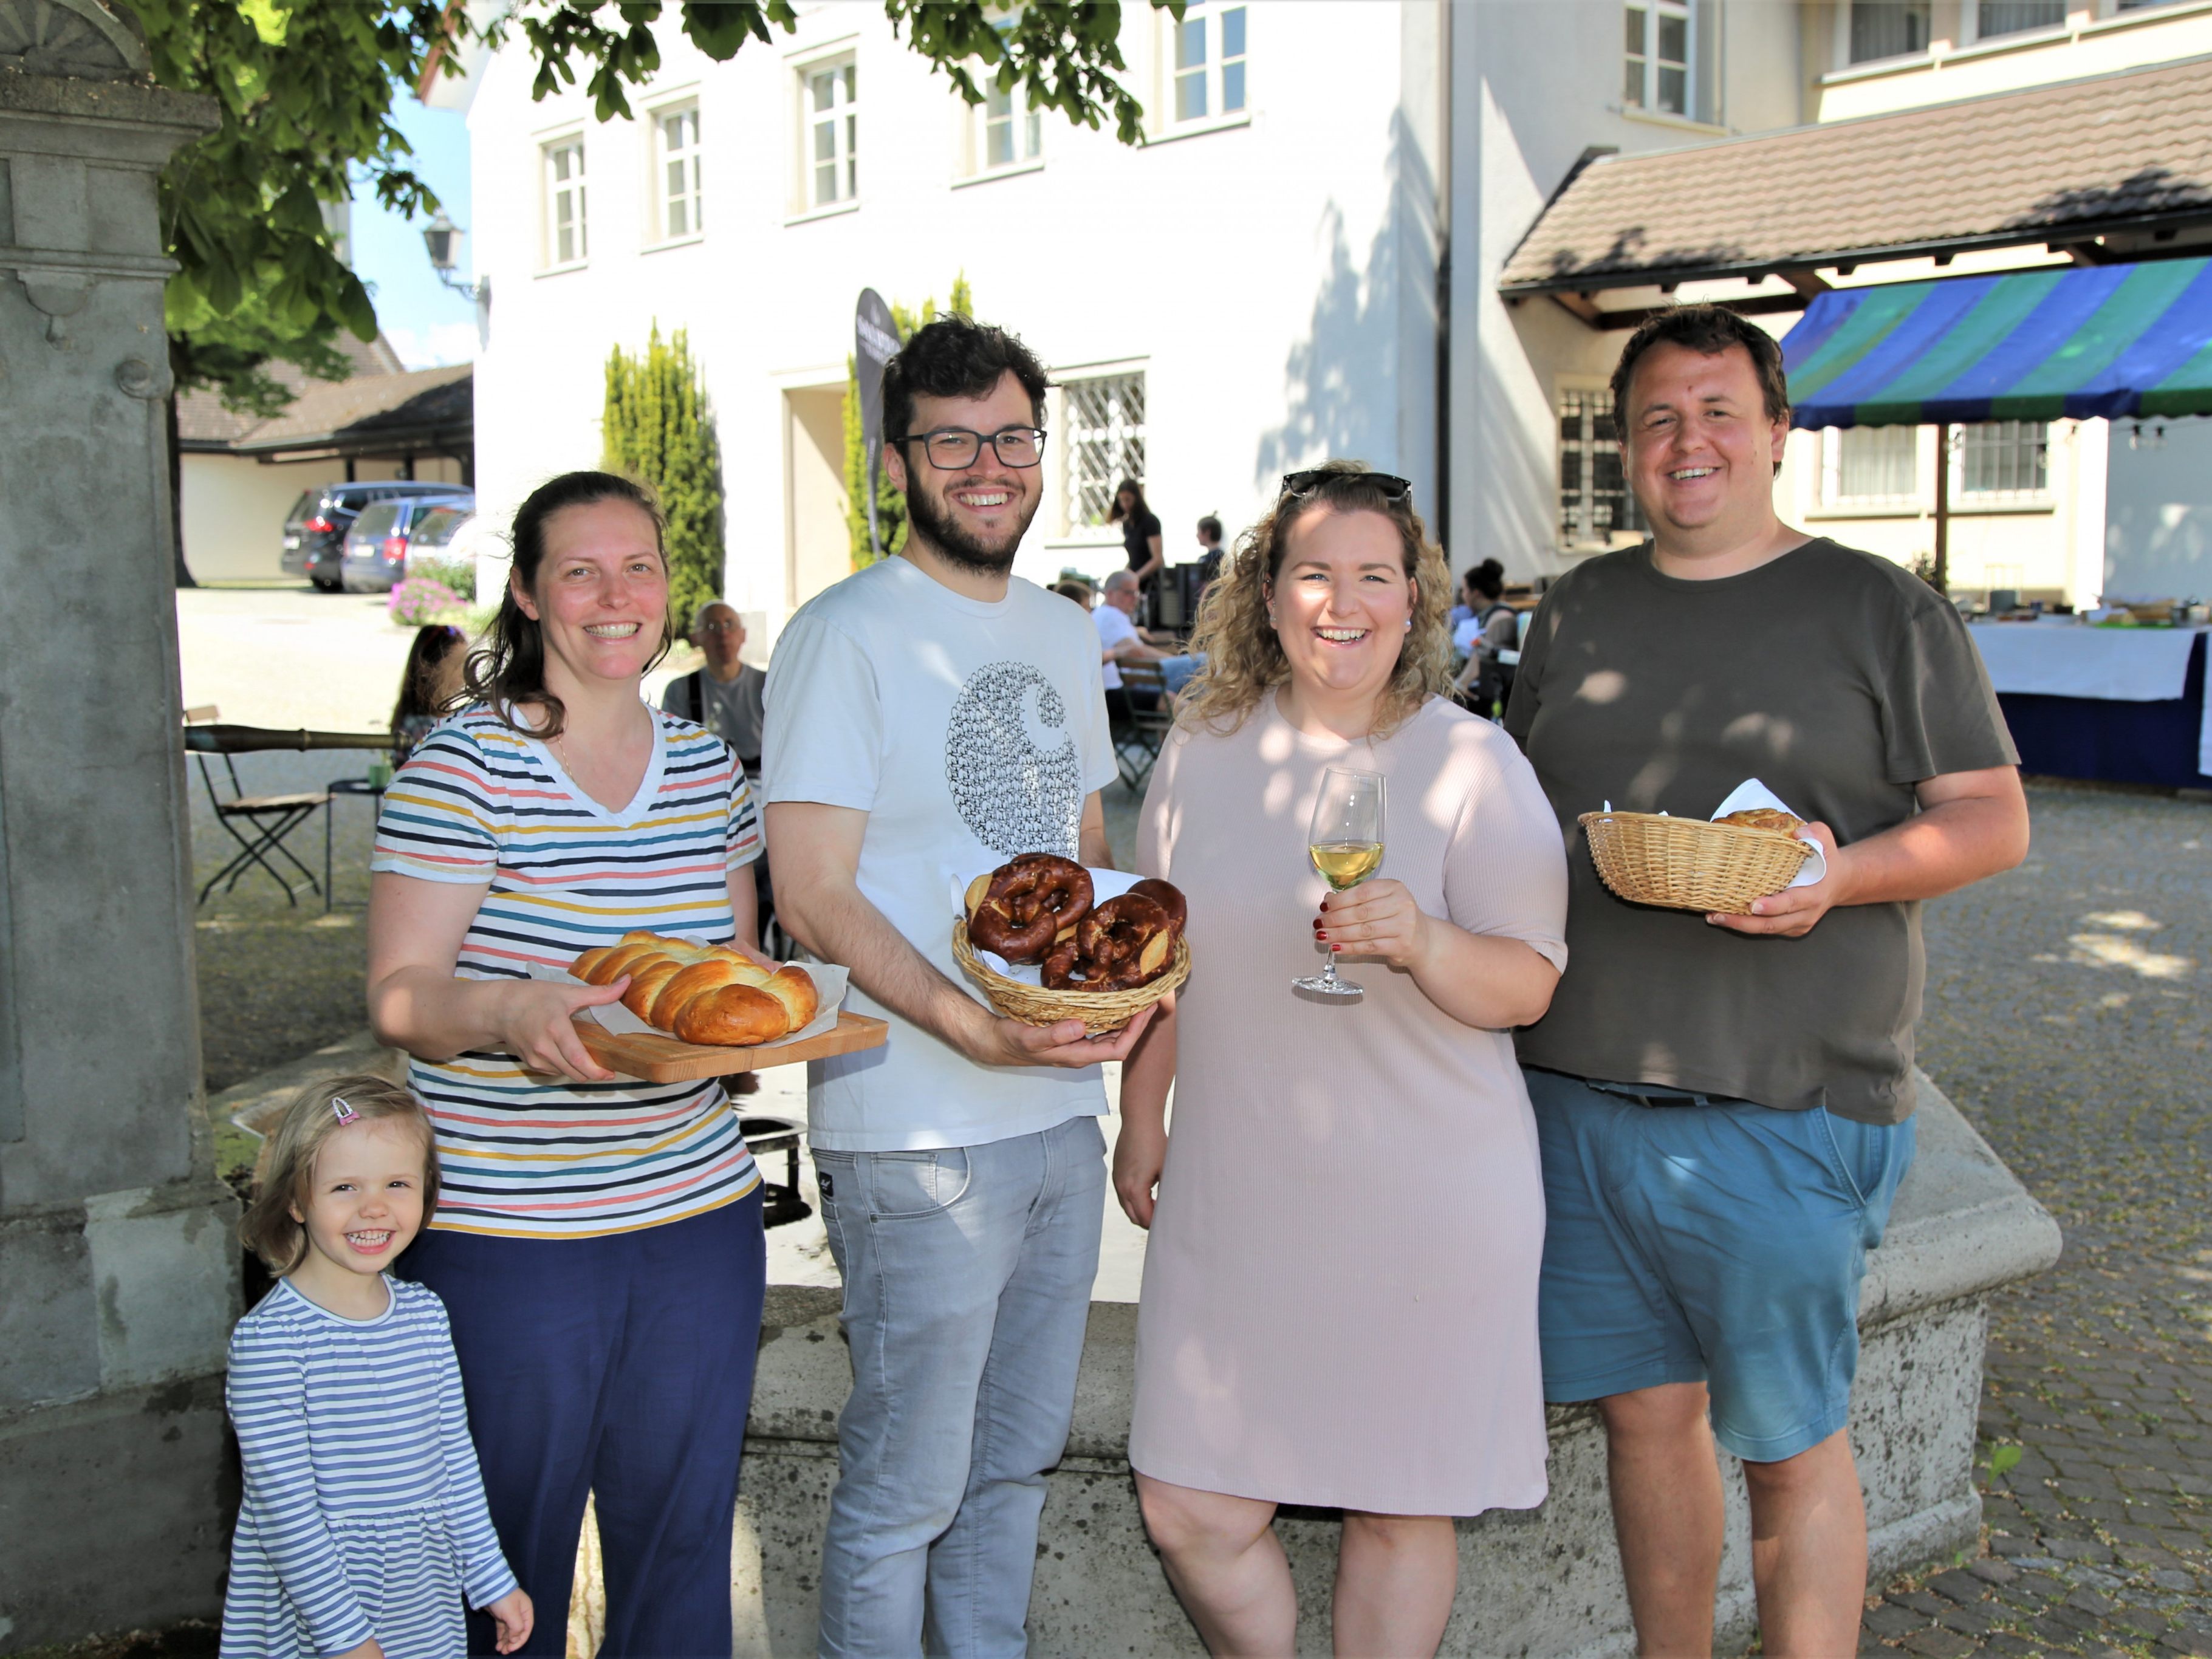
x: 364, y: 1522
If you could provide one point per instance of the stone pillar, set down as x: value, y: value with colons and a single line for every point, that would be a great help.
x: 119, y: 1271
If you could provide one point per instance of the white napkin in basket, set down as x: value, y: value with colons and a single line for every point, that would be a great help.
x: 1752, y: 793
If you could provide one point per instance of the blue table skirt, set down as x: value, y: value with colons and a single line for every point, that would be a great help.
x: 2151, y: 743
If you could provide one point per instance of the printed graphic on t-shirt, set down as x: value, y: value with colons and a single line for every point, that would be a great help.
x: 1016, y: 788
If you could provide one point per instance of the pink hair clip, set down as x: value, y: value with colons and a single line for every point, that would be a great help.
x: 345, y: 1113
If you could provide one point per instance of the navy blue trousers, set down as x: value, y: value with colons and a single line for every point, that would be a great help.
x: 622, y: 1367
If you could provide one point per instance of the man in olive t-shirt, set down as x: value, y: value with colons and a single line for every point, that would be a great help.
x: 1725, y: 1102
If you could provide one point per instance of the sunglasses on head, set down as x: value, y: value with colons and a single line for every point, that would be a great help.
x: 1392, y: 489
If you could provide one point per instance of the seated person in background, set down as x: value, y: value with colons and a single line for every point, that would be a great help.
x: 1072, y: 589
x: 1210, y: 553
x: 428, y: 686
x: 726, y: 695
x: 1483, y: 626
x: 1119, y: 641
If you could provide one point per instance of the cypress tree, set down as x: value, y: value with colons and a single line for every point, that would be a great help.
x: 891, y: 504
x: 658, y: 429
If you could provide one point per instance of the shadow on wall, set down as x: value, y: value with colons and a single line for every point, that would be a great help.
x: 1344, y: 377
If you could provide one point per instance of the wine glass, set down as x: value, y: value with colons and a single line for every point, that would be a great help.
x: 1345, y: 842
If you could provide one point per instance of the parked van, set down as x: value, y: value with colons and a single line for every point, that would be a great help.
x: 315, y: 528
x: 378, y: 544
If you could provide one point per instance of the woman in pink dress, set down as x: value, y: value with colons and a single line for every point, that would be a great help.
x: 1340, y: 1296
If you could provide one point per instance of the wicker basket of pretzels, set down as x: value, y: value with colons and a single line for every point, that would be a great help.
x: 1688, y: 864
x: 1100, y: 962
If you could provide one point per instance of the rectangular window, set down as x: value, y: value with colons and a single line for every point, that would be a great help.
x: 1011, y: 136
x: 566, y: 241
x: 1657, y: 62
x: 1996, y: 17
x: 1209, y: 61
x: 1888, y: 28
x: 2004, y: 458
x: 1867, y: 464
x: 833, y: 134
x: 1105, y: 419
x: 1594, y: 500
x: 675, y: 137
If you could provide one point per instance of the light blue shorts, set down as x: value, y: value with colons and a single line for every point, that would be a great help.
x: 1720, y: 1242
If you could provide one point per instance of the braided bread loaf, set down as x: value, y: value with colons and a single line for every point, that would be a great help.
x: 708, y: 993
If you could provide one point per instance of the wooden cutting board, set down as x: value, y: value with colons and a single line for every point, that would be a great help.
x: 659, y: 1058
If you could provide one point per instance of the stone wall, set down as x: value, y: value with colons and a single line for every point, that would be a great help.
x: 1546, y: 1582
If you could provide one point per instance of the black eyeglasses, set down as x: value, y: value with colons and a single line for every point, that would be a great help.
x: 1394, y: 491
x: 951, y: 447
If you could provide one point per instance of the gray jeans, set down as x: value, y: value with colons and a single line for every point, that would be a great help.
x: 968, y: 1274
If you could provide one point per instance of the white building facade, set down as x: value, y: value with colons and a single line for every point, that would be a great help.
x: 1300, y: 262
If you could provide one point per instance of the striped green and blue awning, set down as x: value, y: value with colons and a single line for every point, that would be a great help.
x: 2031, y: 345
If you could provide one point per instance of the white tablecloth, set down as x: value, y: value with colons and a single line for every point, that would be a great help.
x: 2115, y: 664
x: 2061, y: 659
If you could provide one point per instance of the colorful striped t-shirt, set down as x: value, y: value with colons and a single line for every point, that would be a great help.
x: 529, y: 1156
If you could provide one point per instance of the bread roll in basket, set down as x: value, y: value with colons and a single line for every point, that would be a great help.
x: 706, y: 994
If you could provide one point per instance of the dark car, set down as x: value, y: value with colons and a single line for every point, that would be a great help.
x: 314, y: 529
x: 376, y: 547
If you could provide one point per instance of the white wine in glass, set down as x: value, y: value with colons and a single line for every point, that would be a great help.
x: 1346, y: 845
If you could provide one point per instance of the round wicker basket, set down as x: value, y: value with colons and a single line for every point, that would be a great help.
x: 1100, y: 1012
x: 1687, y: 864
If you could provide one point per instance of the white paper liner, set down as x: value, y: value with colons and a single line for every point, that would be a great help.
x: 828, y: 984
x: 1104, y: 885
x: 1752, y: 793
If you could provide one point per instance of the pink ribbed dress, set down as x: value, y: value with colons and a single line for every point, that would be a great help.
x: 1340, y: 1292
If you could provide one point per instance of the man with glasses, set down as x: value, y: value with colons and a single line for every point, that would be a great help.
x: 929, y: 718
x: 726, y: 696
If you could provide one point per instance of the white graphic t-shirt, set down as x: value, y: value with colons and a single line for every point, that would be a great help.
x: 968, y: 731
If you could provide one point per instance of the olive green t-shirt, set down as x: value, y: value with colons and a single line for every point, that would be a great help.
x: 1837, y: 678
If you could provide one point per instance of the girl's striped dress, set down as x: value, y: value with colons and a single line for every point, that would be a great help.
x: 533, y: 1157
x: 364, y: 1513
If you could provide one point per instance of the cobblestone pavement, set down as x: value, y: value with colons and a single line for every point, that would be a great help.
x: 2067, y: 1015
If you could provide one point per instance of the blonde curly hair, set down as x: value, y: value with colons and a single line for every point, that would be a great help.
x: 1242, y: 652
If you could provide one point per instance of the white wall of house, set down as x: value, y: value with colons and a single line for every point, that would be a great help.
x: 234, y: 507
x: 1273, y: 276
x: 2159, y: 524
x: 1537, y: 85
x: 2044, y: 542
x: 1273, y: 273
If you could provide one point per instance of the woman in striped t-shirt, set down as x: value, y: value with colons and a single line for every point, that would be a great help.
x: 598, y: 1239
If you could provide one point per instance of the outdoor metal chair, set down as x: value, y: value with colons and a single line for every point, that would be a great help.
x: 1151, y: 717
x: 780, y: 1203
x: 268, y: 820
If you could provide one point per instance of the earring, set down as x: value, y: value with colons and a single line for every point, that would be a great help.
x: 1409, y: 624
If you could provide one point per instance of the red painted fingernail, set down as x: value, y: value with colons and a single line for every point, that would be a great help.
x: 1319, y: 934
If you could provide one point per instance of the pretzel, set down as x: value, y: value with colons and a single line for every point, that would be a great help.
x: 705, y: 994
x: 1022, y: 907
x: 1169, y: 898
x: 1125, y: 943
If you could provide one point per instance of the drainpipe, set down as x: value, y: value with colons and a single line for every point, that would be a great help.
x: 1441, y: 530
